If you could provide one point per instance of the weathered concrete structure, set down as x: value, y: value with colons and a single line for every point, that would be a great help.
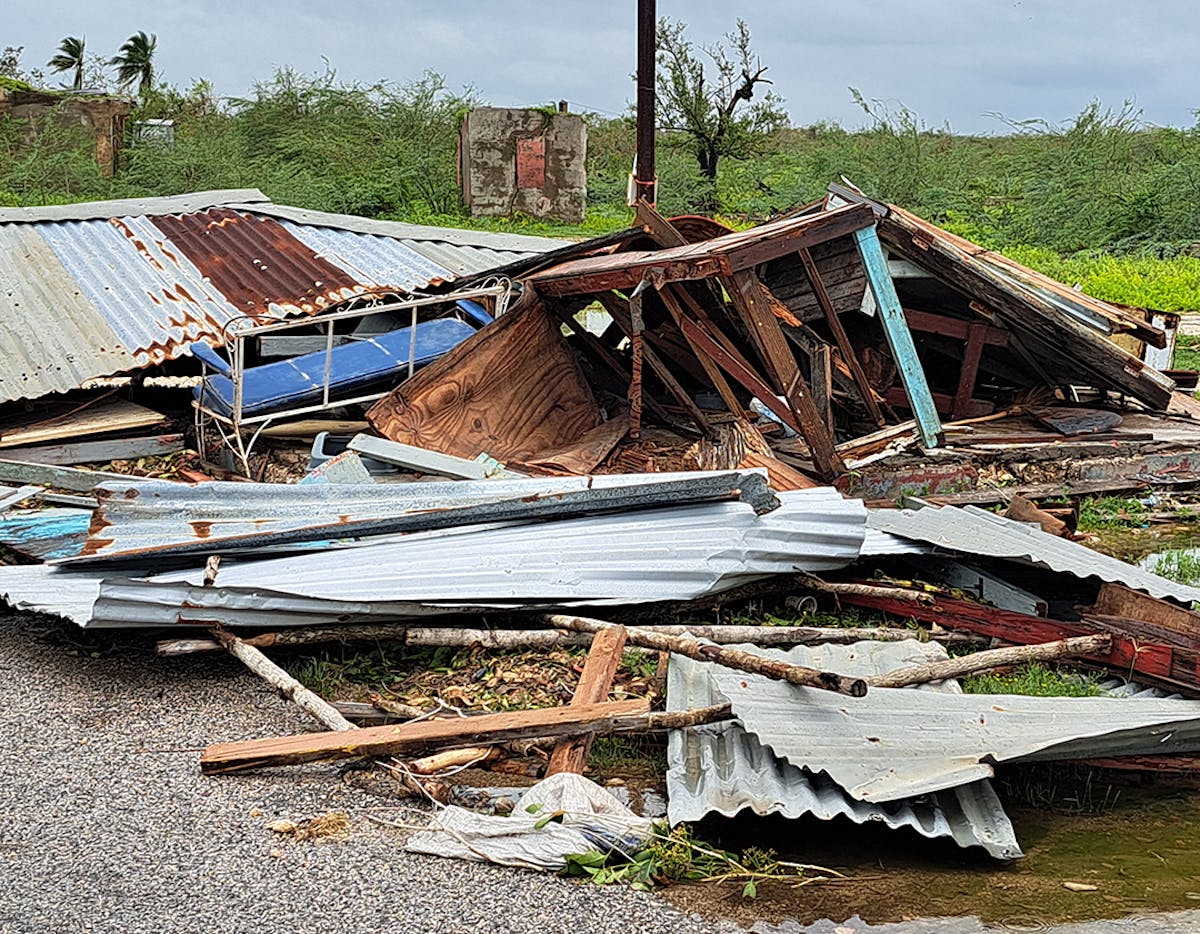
x: 524, y: 161
x: 100, y: 116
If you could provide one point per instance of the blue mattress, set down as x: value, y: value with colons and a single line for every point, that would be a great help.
x: 300, y: 380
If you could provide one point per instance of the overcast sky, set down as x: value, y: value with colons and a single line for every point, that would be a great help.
x: 952, y: 61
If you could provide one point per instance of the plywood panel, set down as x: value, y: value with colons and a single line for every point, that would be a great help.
x: 512, y: 391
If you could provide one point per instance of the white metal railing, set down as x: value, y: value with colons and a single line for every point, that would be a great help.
x: 233, y: 426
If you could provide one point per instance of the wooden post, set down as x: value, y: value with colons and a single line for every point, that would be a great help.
x: 603, y: 659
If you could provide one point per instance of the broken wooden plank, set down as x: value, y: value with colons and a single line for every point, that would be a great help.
x: 840, y: 337
x: 899, y: 338
x: 729, y: 658
x: 96, y: 418
x: 1023, y: 510
x: 63, y: 478
x: 408, y: 738
x: 603, y: 659
x: 311, y: 427
x: 1096, y: 645
x: 720, y: 256
x: 749, y: 298
x: 97, y: 452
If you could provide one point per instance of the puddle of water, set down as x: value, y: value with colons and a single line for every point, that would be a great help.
x: 1141, y: 856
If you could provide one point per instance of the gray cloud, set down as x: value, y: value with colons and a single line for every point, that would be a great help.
x: 949, y: 60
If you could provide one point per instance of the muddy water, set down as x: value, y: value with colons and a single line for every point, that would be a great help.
x: 1143, y: 855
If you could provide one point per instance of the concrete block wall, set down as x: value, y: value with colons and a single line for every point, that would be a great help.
x: 524, y: 161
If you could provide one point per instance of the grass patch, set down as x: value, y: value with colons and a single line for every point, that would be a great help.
x: 1180, y: 565
x: 628, y: 755
x: 1111, y: 512
x: 1033, y: 680
x: 1187, y: 353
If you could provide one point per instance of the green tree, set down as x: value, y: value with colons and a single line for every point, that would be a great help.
x: 705, y: 101
x: 70, y: 57
x: 135, y: 62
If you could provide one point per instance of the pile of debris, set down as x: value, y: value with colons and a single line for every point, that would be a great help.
x: 646, y: 428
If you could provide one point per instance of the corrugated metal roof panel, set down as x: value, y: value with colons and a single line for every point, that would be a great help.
x: 138, y: 286
x: 140, y: 514
x: 976, y: 531
x: 724, y: 768
x: 92, y: 290
x: 375, y: 261
x: 121, y: 207
x: 36, y: 288
x: 669, y: 554
x: 897, y: 743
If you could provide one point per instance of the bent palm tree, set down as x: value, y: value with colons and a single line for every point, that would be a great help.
x: 70, y: 56
x: 135, y: 62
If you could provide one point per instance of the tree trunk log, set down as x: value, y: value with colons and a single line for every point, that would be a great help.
x: 730, y: 658
x: 994, y: 658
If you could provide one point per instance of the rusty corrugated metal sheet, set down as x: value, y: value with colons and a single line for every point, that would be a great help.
x: 256, y: 263
x: 88, y: 291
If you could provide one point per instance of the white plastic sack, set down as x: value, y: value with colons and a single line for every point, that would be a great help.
x: 591, y: 819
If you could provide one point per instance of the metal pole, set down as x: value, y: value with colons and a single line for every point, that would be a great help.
x: 646, y: 29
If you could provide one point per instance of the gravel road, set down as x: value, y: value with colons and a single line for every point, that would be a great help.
x: 107, y: 825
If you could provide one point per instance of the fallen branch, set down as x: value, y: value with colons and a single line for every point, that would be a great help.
x: 284, y: 683
x: 993, y: 658
x: 408, y: 738
x: 552, y: 638
x: 720, y: 655
x: 863, y: 590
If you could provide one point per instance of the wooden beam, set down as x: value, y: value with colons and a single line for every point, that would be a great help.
x: 839, y: 335
x: 721, y: 256
x: 741, y: 372
x: 899, y: 338
x: 749, y: 298
x: 408, y: 738
x: 603, y: 659
x: 715, y: 376
x: 97, y: 452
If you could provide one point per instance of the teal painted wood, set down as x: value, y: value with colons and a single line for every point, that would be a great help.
x: 899, y: 338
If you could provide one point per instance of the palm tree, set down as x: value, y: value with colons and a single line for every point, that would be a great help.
x: 135, y: 62
x: 70, y: 55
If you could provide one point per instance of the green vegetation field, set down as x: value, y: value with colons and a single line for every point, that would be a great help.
x: 1105, y: 201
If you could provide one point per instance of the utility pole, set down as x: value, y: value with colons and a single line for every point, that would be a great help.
x: 644, y: 177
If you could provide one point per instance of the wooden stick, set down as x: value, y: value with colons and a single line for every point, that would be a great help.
x: 571, y: 754
x: 863, y: 590
x: 551, y: 638
x: 407, y: 738
x: 993, y: 658
x: 284, y: 683
x: 452, y: 759
x: 730, y: 658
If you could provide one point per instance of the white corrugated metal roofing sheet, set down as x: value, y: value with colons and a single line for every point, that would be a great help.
x: 896, y: 743
x: 723, y: 768
x: 974, y: 531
